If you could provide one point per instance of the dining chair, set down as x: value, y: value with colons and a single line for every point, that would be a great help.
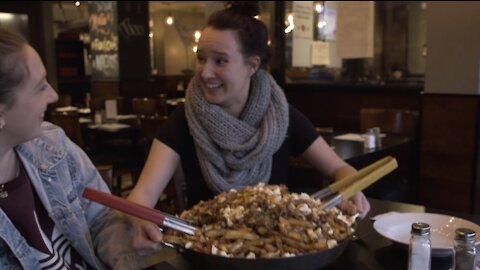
x: 144, y: 107
x: 173, y: 200
x: 390, y: 121
x: 123, y: 105
x: 70, y: 123
x: 106, y: 171
x: 97, y: 104
x: 105, y: 90
x: 114, y: 178
x: 122, y: 155
x: 64, y: 100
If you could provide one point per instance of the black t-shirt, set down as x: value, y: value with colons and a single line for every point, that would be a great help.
x: 175, y: 133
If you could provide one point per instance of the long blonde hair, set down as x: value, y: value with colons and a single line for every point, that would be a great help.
x: 13, y: 68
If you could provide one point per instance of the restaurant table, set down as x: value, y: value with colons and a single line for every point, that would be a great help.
x: 400, y: 185
x: 370, y: 251
x: 355, y: 152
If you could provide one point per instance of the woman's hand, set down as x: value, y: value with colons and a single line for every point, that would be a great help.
x: 357, y: 204
x: 146, y: 236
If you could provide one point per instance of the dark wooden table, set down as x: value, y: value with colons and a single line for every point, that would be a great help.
x: 355, y: 153
x: 371, y: 251
x: 400, y: 185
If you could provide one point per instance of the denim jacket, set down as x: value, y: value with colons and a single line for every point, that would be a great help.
x: 59, y: 172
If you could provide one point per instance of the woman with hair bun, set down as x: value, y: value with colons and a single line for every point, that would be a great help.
x: 236, y: 128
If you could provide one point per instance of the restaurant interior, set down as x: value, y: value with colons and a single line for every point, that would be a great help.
x: 409, y: 68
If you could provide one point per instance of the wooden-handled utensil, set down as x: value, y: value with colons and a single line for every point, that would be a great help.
x: 347, y: 187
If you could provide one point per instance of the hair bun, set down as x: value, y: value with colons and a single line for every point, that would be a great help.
x: 247, y: 8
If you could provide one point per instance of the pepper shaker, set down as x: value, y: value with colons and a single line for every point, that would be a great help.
x: 464, y: 249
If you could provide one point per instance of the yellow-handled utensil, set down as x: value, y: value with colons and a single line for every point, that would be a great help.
x: 348, y: 186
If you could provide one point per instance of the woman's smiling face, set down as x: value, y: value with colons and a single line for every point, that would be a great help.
x: 223, y: 70
x: 23, y: 118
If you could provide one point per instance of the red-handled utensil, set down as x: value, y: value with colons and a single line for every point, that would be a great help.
x: 139, y: 210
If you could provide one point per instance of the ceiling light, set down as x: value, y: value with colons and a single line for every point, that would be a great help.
x: 170, y: 20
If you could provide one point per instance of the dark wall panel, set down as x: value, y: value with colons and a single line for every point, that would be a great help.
x: 449, y: 151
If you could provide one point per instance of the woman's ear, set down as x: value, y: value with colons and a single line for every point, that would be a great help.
x: 2, y: 115
x: 254, y: 63
x: 2, y: 121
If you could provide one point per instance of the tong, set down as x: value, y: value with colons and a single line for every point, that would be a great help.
x: 345, y: 188
x: 139, y: 210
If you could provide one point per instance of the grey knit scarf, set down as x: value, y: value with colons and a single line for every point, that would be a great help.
x: 237, y: 152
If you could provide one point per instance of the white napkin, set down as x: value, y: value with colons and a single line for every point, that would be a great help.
x: 110, y: 108
x: 350, y: 137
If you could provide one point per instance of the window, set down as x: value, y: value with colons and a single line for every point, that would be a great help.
x: 398, y: 41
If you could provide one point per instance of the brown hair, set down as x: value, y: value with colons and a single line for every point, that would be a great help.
x: 252, y: 33
x: 12, y: 65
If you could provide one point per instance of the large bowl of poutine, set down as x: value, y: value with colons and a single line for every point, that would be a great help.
x: 263, y: 227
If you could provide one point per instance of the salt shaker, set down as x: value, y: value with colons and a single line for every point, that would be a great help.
x: 464, y: 249
x: 369, y: 139
x: 420, y: 248
x: 378, y: 139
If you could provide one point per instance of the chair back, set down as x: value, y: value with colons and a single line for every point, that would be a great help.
x: 123, y: 105
x: 97, y: 104
x: 144, y: 107
x: 106, y: 90
x: 106, y: 171
x: 393, y: 121
x: 64, y: 100
x: 149, y: 127
x: 70, y: 123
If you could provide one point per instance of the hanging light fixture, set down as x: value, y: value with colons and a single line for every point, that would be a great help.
x: 170, y: 20
x: 197, y: 34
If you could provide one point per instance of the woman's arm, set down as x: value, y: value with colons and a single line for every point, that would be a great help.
x: 157, y: 172
x: 324, y: 159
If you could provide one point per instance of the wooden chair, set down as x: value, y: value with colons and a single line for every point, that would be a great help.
x: 123, y: 105
x: 63, y: 101
x: 144, y: 107
x: 393, y: 121
x: 106, y: 171
x: 173, y: 199
x: 106, y: 90
x: 149, y: 127
x: 98, y: 104
x: 70, y: 123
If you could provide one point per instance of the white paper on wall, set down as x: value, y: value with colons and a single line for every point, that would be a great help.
x: 320, y: 53
x: 302, y: 33
x: 355, y: 29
